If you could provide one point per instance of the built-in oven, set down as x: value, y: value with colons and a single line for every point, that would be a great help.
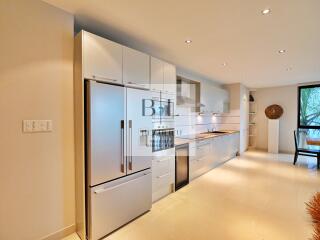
x: 162, y: 139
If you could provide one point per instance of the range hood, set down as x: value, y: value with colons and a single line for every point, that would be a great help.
x: 188, y: 102
x: 188, y: 94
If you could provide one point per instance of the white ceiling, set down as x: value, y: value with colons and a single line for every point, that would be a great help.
x: 231, y: 31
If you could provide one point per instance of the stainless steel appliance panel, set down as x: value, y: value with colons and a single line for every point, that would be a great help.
x: 106, y: 132
x: 118, y: 202
x: 182, y: 166
x: 139, y: 131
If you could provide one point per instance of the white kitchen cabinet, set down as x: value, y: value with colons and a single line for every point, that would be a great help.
x: 209, y: 153
x: 225, y: 147
x: 163, y: 174
x: 156, y: 74
x: 136, y: 68
x: 102, y: 59
x: 169, y: 78
x: 201, y: 160
x: 163, y: 76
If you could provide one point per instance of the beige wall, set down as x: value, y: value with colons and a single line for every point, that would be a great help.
x: 287, y: 98
x: 36, y: 82
x: 239, y: 111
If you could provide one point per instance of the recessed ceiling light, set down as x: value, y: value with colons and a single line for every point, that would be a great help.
x: 282, y: 51
x: 224, y: 64
x: 188, y: 41
x: 266, y: 11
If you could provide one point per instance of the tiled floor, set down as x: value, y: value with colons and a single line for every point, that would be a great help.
x: 258, y: 196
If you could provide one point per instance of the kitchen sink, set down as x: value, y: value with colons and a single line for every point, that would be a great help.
x: 218, y: 132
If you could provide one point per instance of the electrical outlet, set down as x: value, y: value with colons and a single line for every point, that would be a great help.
x: 32, y: 126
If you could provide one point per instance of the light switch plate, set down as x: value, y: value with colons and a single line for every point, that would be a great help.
x: 33, y: 126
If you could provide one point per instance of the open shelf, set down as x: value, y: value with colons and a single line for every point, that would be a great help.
x: 252, y: 120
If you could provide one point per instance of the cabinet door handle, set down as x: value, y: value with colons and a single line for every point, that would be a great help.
x: 122, y: 146
x: 162, y: 160
x: 103, y: 78
x: 130, y: 139
x: 164, y: 175
x: 101, y: 190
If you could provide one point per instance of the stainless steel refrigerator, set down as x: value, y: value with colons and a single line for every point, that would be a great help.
x: 118, y: 156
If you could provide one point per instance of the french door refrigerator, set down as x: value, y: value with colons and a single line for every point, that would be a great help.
x: 118, y: 157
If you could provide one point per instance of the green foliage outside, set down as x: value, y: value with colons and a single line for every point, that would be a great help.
x: 310, y: 106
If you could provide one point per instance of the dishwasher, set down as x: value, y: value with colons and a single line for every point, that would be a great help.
x: 182, y: 166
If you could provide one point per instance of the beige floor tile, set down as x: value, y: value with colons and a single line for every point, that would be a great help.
x: 257, y: 196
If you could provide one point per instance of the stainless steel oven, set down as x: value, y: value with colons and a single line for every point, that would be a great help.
x: 162, y: 139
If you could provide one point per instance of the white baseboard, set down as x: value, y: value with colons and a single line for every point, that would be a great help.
x: 61, y: 233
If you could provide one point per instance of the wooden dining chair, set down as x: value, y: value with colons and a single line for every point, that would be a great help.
x: 305, y: 151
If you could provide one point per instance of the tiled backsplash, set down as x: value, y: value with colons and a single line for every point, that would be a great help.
x: 188, y: 122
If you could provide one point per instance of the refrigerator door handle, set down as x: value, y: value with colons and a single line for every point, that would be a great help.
x: 122, y: 146
x: 121, y: 184
x: 130, y: 143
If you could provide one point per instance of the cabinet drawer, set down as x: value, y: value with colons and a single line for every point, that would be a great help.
x: 196, y: 164
x: 160, y: 181
x: 161, y: 192
x: 117, y: 202
x: 160, y: 166
x: 203, y: 148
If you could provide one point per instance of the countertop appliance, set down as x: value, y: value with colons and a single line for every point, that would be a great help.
x: 118, y: 156
x: 182, y: 166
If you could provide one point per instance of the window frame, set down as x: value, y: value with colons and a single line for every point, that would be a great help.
x: 299, y: 103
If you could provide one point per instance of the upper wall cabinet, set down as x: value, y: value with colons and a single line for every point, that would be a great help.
x: 156, y: 74
x: 163, y: 76
x: 136, y: 68
x: 169, y: 78
x: 102, y: 59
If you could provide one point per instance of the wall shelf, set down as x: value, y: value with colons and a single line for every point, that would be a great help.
x: 252, y: 120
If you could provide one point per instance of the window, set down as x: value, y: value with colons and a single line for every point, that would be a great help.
x: 309, y: 107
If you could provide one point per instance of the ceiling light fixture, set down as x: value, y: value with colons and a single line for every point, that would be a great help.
x: 266, y: 11
x: 282, y: 51
x: 188, y: 41
x: 224, y: 64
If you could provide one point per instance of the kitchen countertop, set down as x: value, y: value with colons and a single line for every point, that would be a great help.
x: 200, y: 136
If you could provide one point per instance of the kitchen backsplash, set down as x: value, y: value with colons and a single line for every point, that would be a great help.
x: 187, y: 122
